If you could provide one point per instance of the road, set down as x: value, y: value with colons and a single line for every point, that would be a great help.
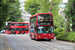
x: 23, y: 42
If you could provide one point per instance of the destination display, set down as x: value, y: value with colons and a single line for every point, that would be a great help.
x: 45, y: 23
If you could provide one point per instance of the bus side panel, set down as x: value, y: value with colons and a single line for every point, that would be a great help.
x: 32, y: 35
x: 7, y: 32
x: 26, y: 31
x: 17, y: 32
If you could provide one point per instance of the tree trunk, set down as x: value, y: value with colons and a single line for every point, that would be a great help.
x: 73, y: 16
x: 73, y: 25
x: 67, y: 25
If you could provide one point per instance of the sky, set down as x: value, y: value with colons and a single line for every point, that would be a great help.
x: 65, y: 1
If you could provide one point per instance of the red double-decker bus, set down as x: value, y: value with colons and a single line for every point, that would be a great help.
x: 41, y: 26
x: 16, y: 27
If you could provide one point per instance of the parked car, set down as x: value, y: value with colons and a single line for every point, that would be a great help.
x: 2, y: 31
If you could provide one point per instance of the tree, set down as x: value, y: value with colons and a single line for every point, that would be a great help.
x: 14, y: 11
x: 73, y: 14
x: 70, y: 14
x: 31, y: 6
x: 9, y: 11
x: 3, y: 13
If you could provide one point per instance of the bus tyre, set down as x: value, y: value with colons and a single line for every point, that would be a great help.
x: 32, y: 38
x: 19, y: 33
x: 49, y: 39
x: 23, y: 32
x: 14, y: 32
x: 37, y: 39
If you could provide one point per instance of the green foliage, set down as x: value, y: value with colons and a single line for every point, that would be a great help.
x: 9, y: 11
x: 21, y: 20
x: 31, y: 6
x: 56, y: 32
x: 3, y: 13
x: 57, y: 24
x: 14, y: 12
x: 60, y: 29
x: 70, y: 13
x: 69, y: 36
x: 62, y: 36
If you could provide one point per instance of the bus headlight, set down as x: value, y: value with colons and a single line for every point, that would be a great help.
x: 51, y: 36
x: 39, y: 36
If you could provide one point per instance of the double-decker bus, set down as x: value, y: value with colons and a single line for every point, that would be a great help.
x: 41, y: 26
x: 16, y: 28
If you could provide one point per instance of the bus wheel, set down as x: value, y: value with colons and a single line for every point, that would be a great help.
x: 49, y: 39
x: 37, y: 39
x: 14, y: 32
x: 23, y: 32
x: 32, y: 38
x: 19, y: 33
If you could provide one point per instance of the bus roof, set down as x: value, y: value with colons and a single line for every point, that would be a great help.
x: 40, y: 13
x: 18, y: 22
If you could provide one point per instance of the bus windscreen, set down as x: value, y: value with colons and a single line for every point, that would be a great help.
x: 45, y: 29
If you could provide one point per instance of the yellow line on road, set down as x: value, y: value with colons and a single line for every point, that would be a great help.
x: 9, y: 48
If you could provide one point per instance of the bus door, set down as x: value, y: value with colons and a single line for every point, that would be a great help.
x: 32, y: 32
x: 12, y: 30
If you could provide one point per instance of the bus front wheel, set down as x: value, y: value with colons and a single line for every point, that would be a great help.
x: 49, y: 39
x: 14, y: 32
x: 23, y: 32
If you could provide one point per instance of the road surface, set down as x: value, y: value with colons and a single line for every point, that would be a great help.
x: 23, y: 42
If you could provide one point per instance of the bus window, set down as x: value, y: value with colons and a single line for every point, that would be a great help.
x: 51, y: 29
x: 12, y: 24
x: 32, y: 29
x: 8, y: 25
x: 25, y: 24
x: 25, y: 29
x: 45, y: 19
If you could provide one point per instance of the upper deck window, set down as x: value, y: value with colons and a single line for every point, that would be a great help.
x: 8, y: 25
x: 45, y: 19
x: 18, y: 24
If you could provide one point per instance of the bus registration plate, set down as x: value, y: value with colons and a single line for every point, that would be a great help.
x: 44, y: 33
x: 49, y: 34
x: 45, y: 38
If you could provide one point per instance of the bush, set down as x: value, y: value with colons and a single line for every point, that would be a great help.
x: 69, y: 36
x: 56, y: 32
x: 62, y: 36
x: 60, y: 29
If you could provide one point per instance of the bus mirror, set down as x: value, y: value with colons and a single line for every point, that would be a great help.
x: 36, y: 23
